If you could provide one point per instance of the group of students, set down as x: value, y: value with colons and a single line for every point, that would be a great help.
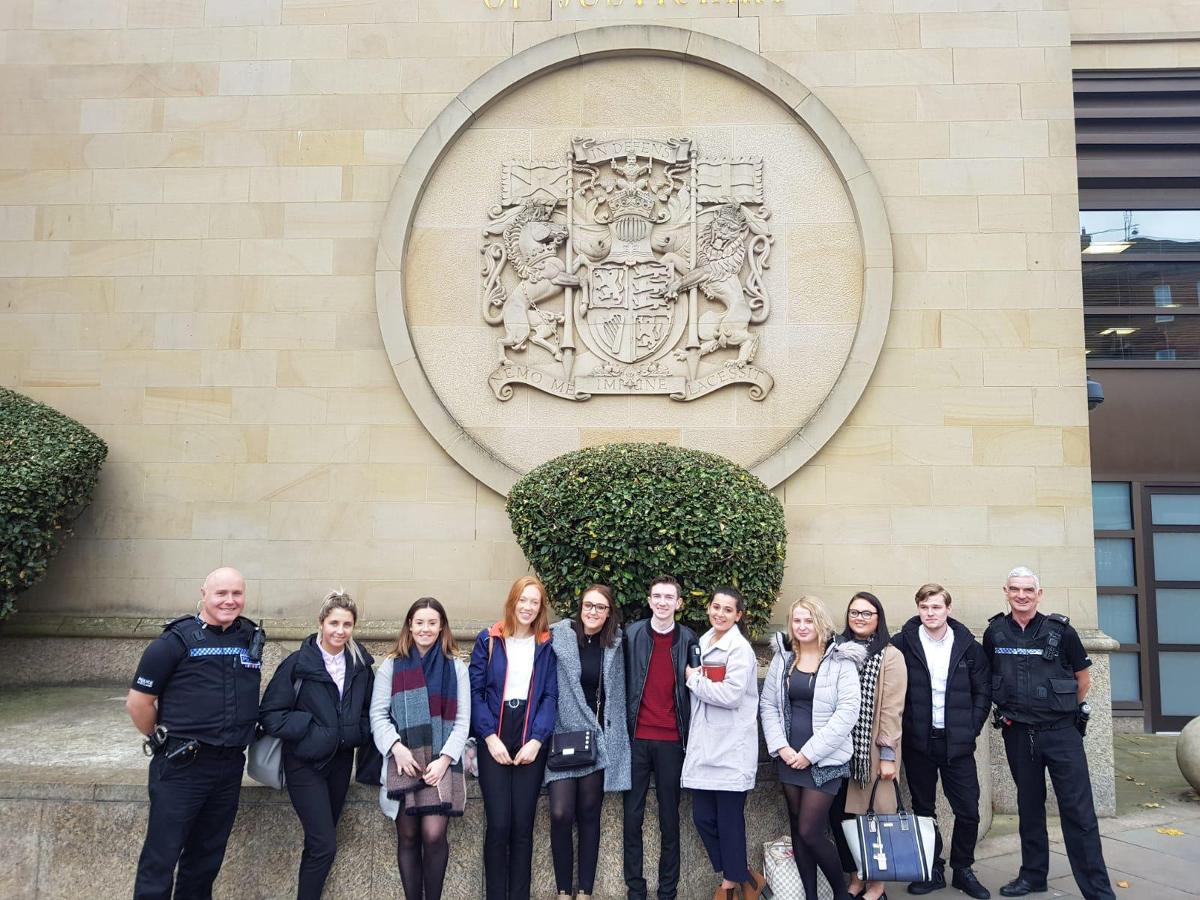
x: 838, y: 709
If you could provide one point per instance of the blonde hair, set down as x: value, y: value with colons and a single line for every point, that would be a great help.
x: 821, y: 620
x: 339, y: 599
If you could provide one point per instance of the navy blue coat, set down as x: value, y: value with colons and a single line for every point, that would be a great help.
x: 487, y: 687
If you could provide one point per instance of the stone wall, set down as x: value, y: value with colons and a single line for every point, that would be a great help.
x: 192, y: 197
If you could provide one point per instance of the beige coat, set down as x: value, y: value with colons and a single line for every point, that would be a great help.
x: 885, y: 732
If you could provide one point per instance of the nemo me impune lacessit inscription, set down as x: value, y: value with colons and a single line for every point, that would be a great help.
x: 600, y: 271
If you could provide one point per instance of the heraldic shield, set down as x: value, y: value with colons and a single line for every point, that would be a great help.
x: 629, y: 318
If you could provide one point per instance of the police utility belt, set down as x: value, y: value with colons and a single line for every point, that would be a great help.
x: 184, y: 750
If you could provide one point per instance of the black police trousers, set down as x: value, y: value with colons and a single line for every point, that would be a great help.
x: 1030, y: 754
x: 960, y: 781
x: 663, y: 759
x: 192, y: 808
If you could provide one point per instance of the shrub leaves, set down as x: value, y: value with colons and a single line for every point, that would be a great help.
x: 623, y: 514
x: 48, y: 469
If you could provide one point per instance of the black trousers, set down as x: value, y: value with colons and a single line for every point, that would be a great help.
x: 317, y: 796
x: 663, y: 760
x: 510, y: 796
x: 1060, y: 751
x: 837, y: 814
x: 960, y: 781
x: 192, y: 808
x: 720, y: 818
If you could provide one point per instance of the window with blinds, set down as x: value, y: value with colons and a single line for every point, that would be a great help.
x: 1138, y: 146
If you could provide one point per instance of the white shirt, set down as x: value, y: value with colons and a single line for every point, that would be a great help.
x: 520, y: 667
x: 667, y: 630
x: 937, y: 656
x: 335, y: 665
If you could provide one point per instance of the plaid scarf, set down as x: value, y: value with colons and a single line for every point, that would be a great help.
x: 860, y: 762
x: 424, y: 706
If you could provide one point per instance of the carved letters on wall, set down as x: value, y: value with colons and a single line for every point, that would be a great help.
x: 630, y: 267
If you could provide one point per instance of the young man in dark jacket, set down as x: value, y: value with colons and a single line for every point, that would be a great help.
x: 659, y: 709
x: 948, y: 700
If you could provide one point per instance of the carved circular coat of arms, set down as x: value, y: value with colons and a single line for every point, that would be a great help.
x: 608, y: 255
x: 549, y: 243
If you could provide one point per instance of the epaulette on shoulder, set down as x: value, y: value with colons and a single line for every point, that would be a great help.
x: 1059, y: 618
x: 167, y: 626
x: 998, y: 615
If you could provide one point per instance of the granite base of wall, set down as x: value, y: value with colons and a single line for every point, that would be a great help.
x: 67, y: 838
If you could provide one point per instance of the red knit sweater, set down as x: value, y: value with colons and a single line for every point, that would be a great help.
x: 656, y: 717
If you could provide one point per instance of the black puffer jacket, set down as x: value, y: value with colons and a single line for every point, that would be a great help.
x: 315, y: 723
x: 968, y: 690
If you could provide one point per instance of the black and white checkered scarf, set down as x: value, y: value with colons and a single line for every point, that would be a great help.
x: 860, y: 762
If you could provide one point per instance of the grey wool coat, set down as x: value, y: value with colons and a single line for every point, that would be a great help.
x: 837, y: 697
x: 574, y: 714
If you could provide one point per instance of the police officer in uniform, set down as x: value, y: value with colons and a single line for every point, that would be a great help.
x: 195, y: 697
x: 1039, y: 679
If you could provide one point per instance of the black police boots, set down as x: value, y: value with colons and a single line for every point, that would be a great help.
x: 1020, y: 886
x: 965, y: 881
x: 936, y: 883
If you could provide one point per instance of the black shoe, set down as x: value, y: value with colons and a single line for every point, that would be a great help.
x: 936, y: 883
x: 965, y: 881
x: 1020, y: 886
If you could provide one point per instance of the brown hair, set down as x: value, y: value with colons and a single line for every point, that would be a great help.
x: 928, y: 590
x: 667, y: 579
x: 541, y: 624
x: 608, y: 630
x: 404, y: 643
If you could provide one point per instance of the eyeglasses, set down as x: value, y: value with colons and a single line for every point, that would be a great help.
x: 589, y: 606
x: 861, y: 614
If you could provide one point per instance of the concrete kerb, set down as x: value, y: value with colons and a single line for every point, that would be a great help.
x: 633, y: 40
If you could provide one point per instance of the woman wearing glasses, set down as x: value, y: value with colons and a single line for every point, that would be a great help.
x: 876, y: 734
x: 591, y: 707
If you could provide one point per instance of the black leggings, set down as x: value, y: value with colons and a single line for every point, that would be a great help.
x: 576, y: 803
x: 421, y: 855
x: 808, y: 814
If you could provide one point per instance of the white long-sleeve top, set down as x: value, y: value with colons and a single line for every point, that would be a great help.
x: 385, y: 734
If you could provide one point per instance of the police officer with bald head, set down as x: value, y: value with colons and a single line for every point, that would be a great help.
x: 195, y: 697
x: 1039, y: 681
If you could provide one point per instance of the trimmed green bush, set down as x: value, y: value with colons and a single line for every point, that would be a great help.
x: 623, y: 514
x: 48, y: 469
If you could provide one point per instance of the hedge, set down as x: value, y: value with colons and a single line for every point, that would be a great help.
x: 623, y: 514
x: 48, y: 469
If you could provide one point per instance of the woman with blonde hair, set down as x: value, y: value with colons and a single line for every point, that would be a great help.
x: 810, y: 702
x: 420, y: 716
x: 318, y: 705
x: 876, y: 734
x: 514, y: 703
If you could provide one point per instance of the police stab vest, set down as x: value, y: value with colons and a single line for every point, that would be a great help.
x: 1032, y: 681
x: 212, y: 696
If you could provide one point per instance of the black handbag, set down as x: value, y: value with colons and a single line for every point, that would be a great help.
x: 576, y: 749
x: 368, y: 764
x: 891, y: 847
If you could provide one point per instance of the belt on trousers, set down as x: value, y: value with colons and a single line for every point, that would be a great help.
x: 938, y: 733
x: 1054, y: 726
x: 207, y: 751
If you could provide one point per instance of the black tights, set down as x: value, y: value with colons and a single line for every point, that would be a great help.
x: 576, y: 803
x: 808, y: 815
x: 422, y: 852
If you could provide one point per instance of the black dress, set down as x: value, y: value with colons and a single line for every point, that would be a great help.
x: 800, y: 695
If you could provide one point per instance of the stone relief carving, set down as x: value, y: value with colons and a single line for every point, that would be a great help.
x: 637, y: 262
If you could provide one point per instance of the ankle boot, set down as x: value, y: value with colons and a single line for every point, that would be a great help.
x: 754, y: 885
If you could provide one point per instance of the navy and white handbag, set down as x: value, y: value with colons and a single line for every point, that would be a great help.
x: 891, y: 847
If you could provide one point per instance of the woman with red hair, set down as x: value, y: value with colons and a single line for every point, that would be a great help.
x: 514, y: 703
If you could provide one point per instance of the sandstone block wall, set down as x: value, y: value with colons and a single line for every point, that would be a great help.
x: 190, y: 198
